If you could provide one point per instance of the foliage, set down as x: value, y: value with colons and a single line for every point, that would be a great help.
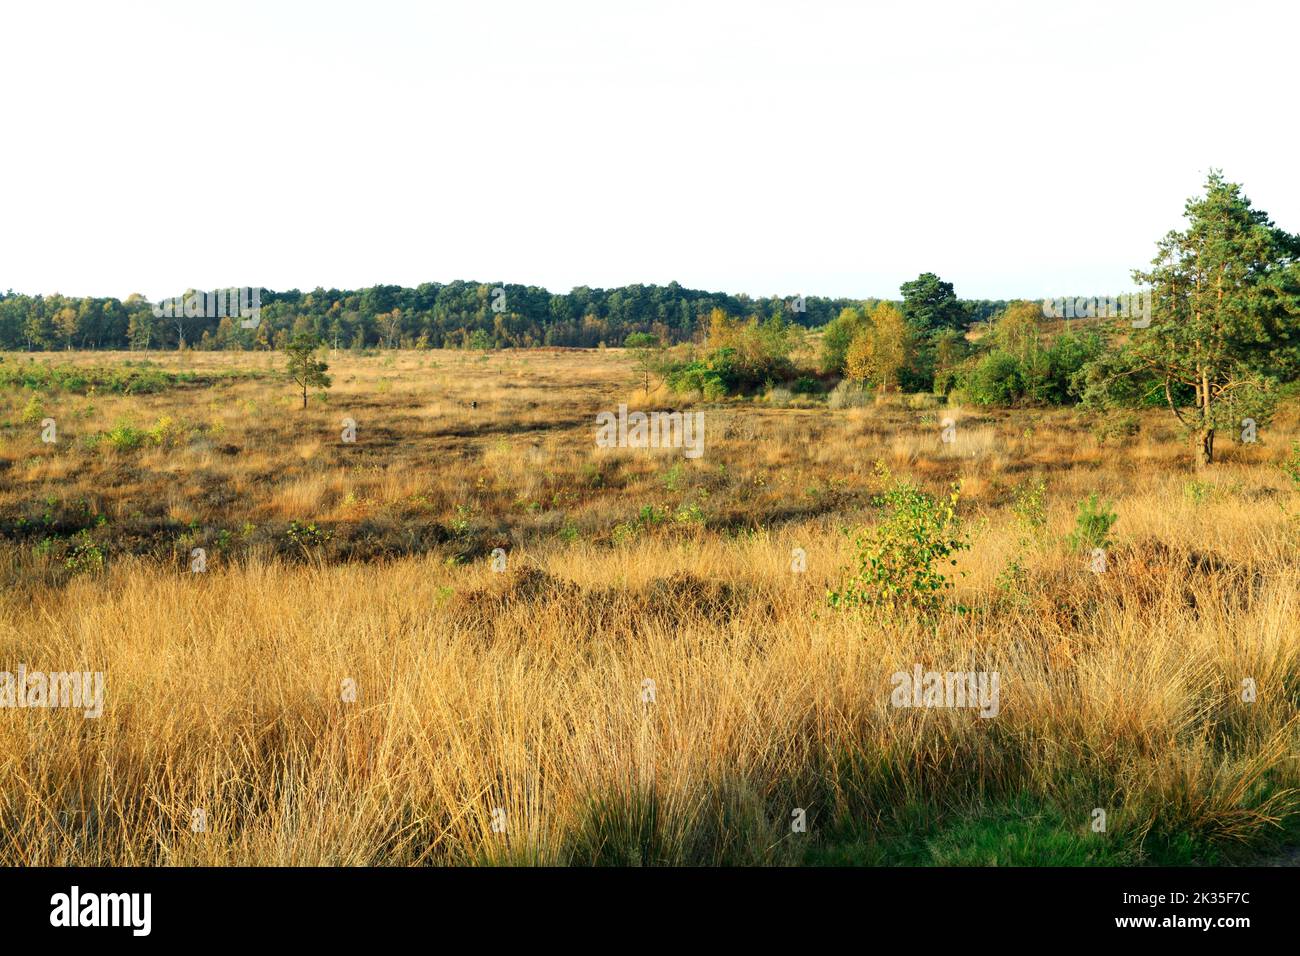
x: 805, y: 385
x: 741, y: 357
x: 84, y: 555
x: 33, y: 411
x: 837, y: 336
x: 1092, y: 524
x: 125, y: 437
x: 899, y: 560
x: 697, y: 377
x: 81, y: 380
x: 930, y: 305
x: 307, y: 535
x: 647, y: 352
x: 1115, y: 428
x: 948, y: 350
x: 1017, y: 368
x: 1225, y: 293
x: 995, y: 379
x: 1291, y: 466
x: 880, y: 349
x: 304, y: 368
x: 438, y: 315
x: 1029, y: 506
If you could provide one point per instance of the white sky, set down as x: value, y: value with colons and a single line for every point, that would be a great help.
x: 1017, y: 149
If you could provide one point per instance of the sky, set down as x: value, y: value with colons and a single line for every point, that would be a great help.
x: 818, y: 148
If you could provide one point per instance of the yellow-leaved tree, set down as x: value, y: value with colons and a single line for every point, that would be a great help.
x: 880, y: 351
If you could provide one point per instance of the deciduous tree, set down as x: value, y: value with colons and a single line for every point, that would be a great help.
x: 879, y: 352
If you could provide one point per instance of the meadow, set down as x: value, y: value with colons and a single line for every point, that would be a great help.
x: 472, y: 636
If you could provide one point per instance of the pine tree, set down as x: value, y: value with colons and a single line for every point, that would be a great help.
x: 1225, y: 311
x: 304, y: 368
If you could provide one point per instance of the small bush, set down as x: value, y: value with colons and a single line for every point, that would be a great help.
x: 124, y: 437
x: 307, y: 535
x: 135, y: 380
x: 674, y: 477
x: 84, y: 555
x: 1198, y: 491
x: 1092, y: 524
x: 697, y: 377
x: 1291, y: 467
x: 900, y: 561
x: 166, y: 432
x: 691, y: 514
x: 1030, y: 505
x: 649, y: 516
x: 33, y: 411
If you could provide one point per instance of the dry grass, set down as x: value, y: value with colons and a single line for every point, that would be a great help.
x: 523, y: 690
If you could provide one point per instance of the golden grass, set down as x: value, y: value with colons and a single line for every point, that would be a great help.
x: 523, y: 691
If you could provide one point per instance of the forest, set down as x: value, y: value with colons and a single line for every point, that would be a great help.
x: 432, y: 315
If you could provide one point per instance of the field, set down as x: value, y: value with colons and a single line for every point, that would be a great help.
x: 351, y: 679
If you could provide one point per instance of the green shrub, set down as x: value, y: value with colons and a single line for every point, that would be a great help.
x: 697, y: 377
x: 307, y: 535
x: 900, y: 560
x: 166, y: 432
x: 838, y: 335
x: 1092, y: 524
x: 691, y: 514
x: 1291, y: 467
x: 995, y: 380
x: 674, y: 477
x: 743, y: 358
x: 33, y: 411
x: 124, y: 437
x: 649, y: 516
x: 1029, y: 505
x: 1066, y: 358
x: 134, y: 380
x: 806, y: 385
x: 84, y: 554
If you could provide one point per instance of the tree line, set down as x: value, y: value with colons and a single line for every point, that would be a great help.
x: 431, y: 315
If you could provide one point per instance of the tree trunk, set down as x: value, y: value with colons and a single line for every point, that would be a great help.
x: 1205, y: 448
x: 304, y: 397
